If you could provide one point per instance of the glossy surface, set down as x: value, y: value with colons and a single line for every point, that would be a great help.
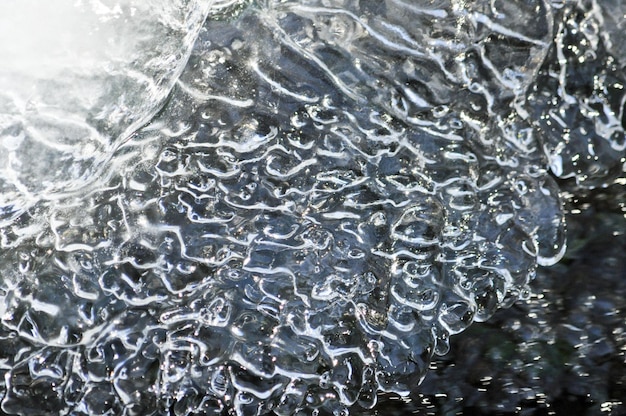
x: 331, y: 190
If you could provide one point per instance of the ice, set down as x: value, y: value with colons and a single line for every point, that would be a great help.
x: 612, y: 14
x: 76, y: 79
x: 578, y: 98
x: 330, y: 190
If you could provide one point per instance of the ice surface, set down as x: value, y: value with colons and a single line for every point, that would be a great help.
x: 331, y: 190
x: 76, y: 79
x: 578, y: 98
x: 612, y: 17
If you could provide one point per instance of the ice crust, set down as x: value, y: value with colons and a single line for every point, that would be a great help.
x: 331, y: 190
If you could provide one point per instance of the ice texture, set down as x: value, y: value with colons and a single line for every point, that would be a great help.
x: 331, y: 190
x: 77, y: 78
x: 578, y: 98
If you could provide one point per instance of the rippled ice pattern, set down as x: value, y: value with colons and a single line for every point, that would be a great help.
x: 331, y: 190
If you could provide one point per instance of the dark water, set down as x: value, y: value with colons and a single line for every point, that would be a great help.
x: 332, y: 190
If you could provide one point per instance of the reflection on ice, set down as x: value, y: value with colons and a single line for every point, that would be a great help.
x: 332, y: 190
x: 77, y: 78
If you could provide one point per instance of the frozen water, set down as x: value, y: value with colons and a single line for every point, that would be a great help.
x: 331, y: 190
x: 578, y: 99
x: 76, y: 79
x: 611, y: 14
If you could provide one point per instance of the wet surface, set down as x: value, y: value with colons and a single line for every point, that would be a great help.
x: 562, y: 351
x: 330, y: 192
